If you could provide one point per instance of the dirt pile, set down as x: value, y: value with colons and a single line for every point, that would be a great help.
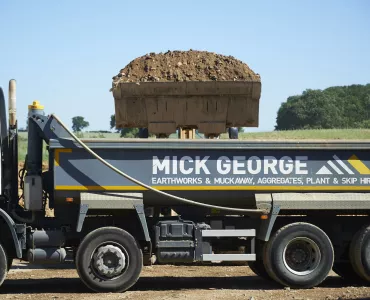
x: 185, y: 66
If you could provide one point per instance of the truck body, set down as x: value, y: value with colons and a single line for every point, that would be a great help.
x: 292, y: 209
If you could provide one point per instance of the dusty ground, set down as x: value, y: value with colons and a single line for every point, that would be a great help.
x: 171, y: 282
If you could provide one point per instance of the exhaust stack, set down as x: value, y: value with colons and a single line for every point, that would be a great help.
x: 12, y: 103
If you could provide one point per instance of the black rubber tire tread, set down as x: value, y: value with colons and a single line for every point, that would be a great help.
x: 9, y: 263
x: 89, y: 244
x: 3, y: 264
x: 269, y: 271
x: 257, y: 266
x: 273, y: 255
x: 359, y: 253
x: 259, y: 269
x: 346, y: 271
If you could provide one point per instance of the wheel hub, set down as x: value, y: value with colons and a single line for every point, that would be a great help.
x: 298, y: 255
x: 301, y: 256
x: 109, y: 261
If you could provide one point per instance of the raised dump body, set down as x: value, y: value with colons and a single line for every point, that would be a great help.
x: 210, y: 106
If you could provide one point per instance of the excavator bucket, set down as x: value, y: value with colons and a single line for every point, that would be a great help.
x: 209, y: 106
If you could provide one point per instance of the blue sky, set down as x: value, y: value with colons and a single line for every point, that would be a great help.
x: 64, y: 53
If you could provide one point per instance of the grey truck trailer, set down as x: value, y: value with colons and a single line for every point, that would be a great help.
x: 297, y: 209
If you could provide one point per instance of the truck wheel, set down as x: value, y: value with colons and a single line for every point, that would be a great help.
x: 346, y: 271
x: 109, y: 260
x: 258, y: 268
x: 359, y: 253
x: 3, y: 264
x: 9, y: 263
x: 299, y: 255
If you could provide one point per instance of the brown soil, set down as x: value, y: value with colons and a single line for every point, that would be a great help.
x: 172, y: 282
x: 185, y: 66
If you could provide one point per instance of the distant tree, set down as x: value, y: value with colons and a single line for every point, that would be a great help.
x: 113, y: 123
x: 334, y: 107
x: 79, y: 123
x: 240, y: 129
x: 125, y: 132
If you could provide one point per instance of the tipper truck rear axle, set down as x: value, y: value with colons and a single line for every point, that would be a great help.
x: 292, y: 209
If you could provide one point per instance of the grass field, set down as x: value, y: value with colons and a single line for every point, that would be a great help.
x: 327, y: 134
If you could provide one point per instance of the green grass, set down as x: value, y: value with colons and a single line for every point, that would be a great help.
x: 322, y: 134
x: 93, y: 135
x: 319, y: 134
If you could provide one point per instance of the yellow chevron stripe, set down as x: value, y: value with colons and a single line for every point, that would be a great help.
x: 57, y: 155
x: 359, y: 165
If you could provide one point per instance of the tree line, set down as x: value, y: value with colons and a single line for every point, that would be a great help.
x: 334, y: 107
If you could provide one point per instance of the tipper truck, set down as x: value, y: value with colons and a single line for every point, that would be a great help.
x: 293, y: 210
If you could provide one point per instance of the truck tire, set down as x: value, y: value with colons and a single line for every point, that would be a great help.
x: 299, y: 255
x: 9, y: 263
x: 109, y: 260
x: 3, y: 264
x: 359, y: 253
x: 346, y: 271
x: 258, y: 268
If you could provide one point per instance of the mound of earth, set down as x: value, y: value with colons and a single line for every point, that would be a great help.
x: 185, y: 66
